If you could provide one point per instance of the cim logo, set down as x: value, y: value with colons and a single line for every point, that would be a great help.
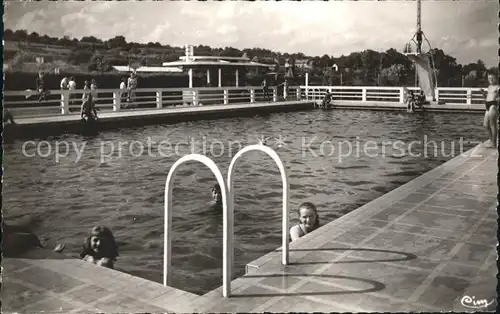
x: 472, y: 303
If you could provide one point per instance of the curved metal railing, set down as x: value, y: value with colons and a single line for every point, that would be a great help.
x: 228, y: 212
x: 227, y: 209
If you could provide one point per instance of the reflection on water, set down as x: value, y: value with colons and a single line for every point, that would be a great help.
x: 125, y: 189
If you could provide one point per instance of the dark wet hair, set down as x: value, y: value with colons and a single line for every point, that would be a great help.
x: 311, y: 206
x: 109, y: 246
x: 216, y: 188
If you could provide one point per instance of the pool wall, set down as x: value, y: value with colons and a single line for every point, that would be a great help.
x: 56, y: 125
x: 36, y: 127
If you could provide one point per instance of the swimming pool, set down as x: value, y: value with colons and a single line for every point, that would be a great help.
x: 125, y: 191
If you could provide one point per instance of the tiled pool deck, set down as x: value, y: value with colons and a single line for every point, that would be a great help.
x: 422, y: 247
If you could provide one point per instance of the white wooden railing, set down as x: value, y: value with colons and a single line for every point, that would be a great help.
x: 447, y: 95
x: 25, y: 103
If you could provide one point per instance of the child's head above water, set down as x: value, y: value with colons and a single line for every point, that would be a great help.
x: 308, y: 216
x: 100, y: 243
x: 217, y: 194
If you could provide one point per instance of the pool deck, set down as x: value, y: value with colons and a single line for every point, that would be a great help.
x: 29, y: 127
x: 385, y: 105
x: 421, y: 247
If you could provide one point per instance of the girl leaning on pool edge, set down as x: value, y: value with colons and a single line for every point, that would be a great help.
x: 308, y: 221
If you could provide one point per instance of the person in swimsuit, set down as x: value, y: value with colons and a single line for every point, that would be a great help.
x: 88, y: 109
x: 327, y: 101
x: 100, y: 247
x: 265, y: 89
x: 309, y: 221
x: 217, y: 196
x: 492, y: 98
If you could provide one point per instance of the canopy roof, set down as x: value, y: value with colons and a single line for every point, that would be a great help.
x: 124, y: 68
x: 219, y: 63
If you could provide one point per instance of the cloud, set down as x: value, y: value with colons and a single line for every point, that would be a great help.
x: 158, y: 33
x: 311, y: 27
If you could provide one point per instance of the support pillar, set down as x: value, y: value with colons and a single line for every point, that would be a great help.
x: 237, y: 78
x: 307, y: 85
x: 190, y: 71
x: 208, y: 77
x: 220, y: 77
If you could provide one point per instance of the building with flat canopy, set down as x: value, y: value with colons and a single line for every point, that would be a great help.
x: 235, y: 65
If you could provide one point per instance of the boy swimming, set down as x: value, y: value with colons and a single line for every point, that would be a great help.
x: 217, y: 196
x: 492, y: 98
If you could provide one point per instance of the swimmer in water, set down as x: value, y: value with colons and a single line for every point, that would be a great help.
x: 100, y: 247
x: 492, y: 99
x: 217, y: 196
x: 88, y: 110
x: 308, y: 221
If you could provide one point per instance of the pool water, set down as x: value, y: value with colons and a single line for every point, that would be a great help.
x: 126, y: 190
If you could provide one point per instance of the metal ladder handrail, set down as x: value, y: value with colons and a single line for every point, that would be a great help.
x: 228, y: 212
x: 227, y: 209
x: 286, y: 191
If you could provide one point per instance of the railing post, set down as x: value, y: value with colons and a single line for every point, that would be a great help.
x: 298, y: 93
x: 226, y: 96
x: 195, y: 98
x: 469, y: 96
x: 363, y: 95
x: 252, y: 95
x: 117, y: 98
x: 275, y: 94
x: 65, y: 102
x: 437, y: 95
x: 159, y: 100
x: 401, y: 95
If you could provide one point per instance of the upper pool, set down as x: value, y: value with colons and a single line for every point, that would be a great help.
x: 124, y: 189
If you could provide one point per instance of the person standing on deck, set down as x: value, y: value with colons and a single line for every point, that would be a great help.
x: 93, y: 88
x: 40, y: 87
x: 265, y: 88
x: 64, y: 83
x: 123, y: 89
x: 71, y: 88
x: 132, y: 85
x: 86, y: 90
x: 492, y: 98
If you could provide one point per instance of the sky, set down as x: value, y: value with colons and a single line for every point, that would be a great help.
x: 465, y: 29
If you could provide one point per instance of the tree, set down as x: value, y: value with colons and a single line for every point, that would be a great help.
x: 118, y: 41
x: 393, y: 75
x: 98, y: 63
x: 8, y: 34
x: 91, y: 39
x: 324, y: 61
x: 450, y: 73
x: 65, y: 41
x: 231, y: 52
x: 471, y: 79
x: 20, y: 35
x: 33, y: 37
